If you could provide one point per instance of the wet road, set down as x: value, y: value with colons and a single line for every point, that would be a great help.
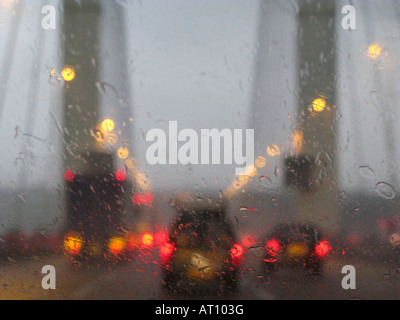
x: 140, y: 280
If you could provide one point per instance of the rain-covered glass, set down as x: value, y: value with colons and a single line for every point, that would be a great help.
x: 217, y: 149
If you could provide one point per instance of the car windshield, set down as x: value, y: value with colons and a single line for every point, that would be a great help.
x: 264, y: 130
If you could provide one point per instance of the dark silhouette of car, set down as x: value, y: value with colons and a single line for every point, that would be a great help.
x: 201, y: 252
x: 97, y: 200
x: 297, y: 245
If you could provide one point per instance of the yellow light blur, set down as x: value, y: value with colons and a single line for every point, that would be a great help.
x: 318, y: 105
x: 68, y: 73
x: 374, y: 51
x: 273, y: 150
x: 147, y: 239
x: 260, y: 162
x: 116, y: 244
x: 73, y: 243
x: 243, y: 179
x: 107, y: 125
x: 123, y: 153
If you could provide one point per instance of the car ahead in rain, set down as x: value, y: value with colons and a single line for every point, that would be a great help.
x: 201, y: 252
x: 97, y: 211
x: 297, y: 245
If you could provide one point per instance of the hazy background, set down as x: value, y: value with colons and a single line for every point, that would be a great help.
x: 191, y: 61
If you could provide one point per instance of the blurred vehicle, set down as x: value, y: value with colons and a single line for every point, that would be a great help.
x: 201, y: 250
x: 97, y: 211
x: 295, y: 245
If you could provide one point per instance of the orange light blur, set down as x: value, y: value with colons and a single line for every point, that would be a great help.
x: 148, y: 239
x: 318, y: 105
x: 107, y: 125
x: 273, y: 150
x: 73, y: 243
x: 167, y: 249
x: 116, y: 245
x: 123, y: 153
x: 131, y: 241
x: 260, y: 162
x: 68, y: 73
x: 374, y: 51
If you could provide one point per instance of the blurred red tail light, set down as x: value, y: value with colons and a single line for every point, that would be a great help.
x: 237, y: 252
x: 166, y: 251
x: 322, y: 248
x: 69, y: 175
x: 248, y: 241
x: 161, y: 237
x: 143, y: 198
x: 120, y: 175
x: 273, y: 247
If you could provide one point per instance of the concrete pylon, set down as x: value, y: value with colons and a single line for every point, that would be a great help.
x: 80, y: 73
x: 315, y: 152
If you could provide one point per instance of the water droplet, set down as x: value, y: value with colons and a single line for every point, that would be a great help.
x: 56, y: 78
x: 385, y: 190
x: 111, y: 92
x: 247, y: 209
x: 273, y: 150
x: 366, y: 172
x: 265, y: 182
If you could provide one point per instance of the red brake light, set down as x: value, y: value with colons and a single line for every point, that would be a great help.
x: 322, y: 248
x: 143, y: 198
x: 248, y: 241
x: 69, y: 175
x: 161, y: 237
x: 120, y: 175
x: 273, y: 247
x: 166, y: 251
x: 237, y: 251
